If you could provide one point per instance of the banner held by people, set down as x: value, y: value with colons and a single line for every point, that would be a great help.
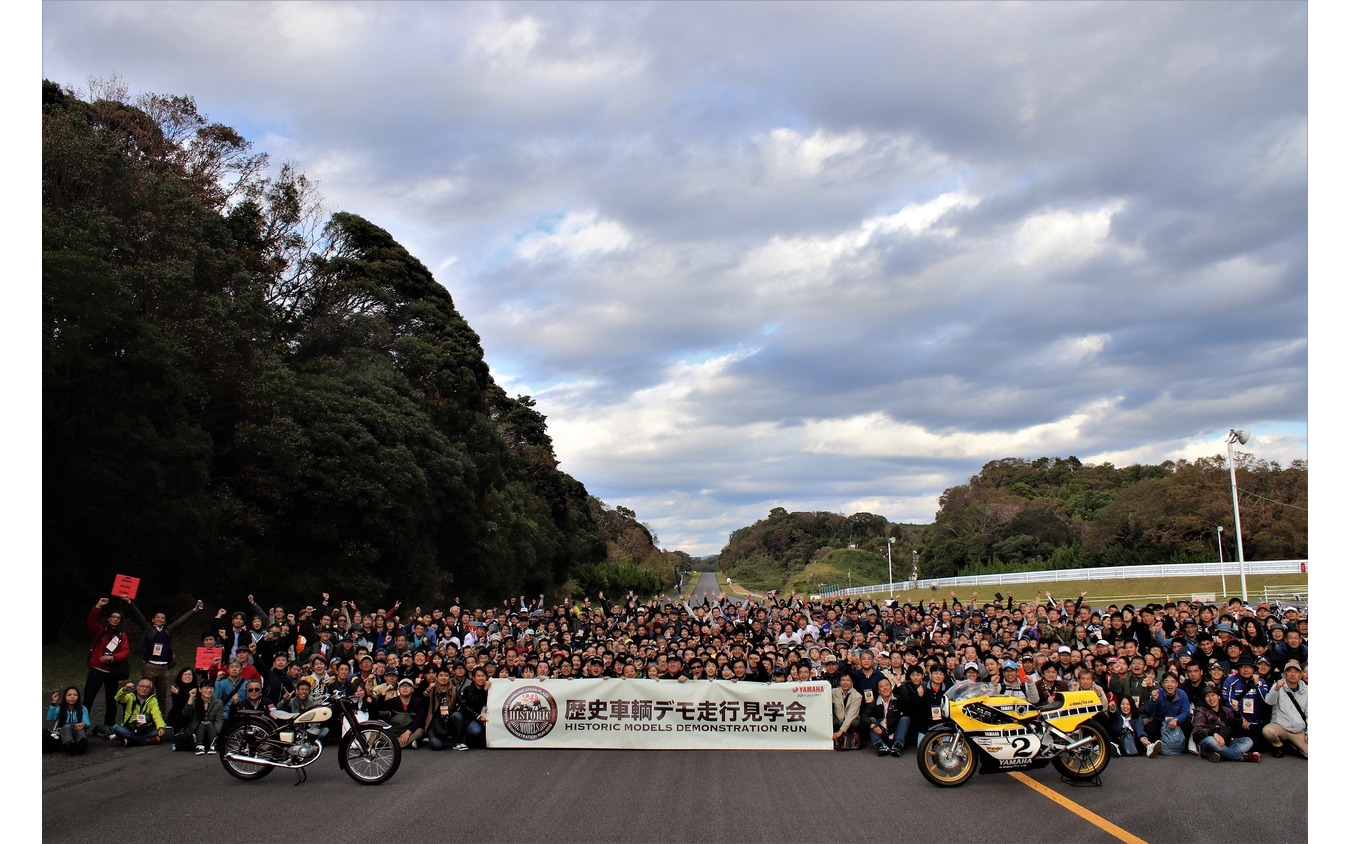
x: 658, y: 714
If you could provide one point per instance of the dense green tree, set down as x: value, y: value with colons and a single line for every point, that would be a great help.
x: 242, y: 394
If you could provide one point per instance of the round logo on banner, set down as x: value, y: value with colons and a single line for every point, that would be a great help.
x: 529, y: 713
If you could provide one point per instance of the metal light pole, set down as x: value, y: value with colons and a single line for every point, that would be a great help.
x: 1240, y: 436
x: 916, y: 567
x: 890, y: 572
x: 1222, y: 573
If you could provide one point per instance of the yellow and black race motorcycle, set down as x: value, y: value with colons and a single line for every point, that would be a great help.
x: 1004, y: 733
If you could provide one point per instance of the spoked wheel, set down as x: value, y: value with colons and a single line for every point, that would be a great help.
x: 373, y: 766
x: 946, y: 758
x: 1089, y: 760
x: 245, y: 739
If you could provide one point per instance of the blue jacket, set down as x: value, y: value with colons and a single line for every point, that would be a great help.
x: 77, y: 715
x: 1247, y: 698
x: 1164, y: 709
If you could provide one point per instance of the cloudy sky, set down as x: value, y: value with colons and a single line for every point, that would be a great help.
x: 819, y: 256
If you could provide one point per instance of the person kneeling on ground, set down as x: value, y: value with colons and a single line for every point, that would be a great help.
x: 1216, y: 730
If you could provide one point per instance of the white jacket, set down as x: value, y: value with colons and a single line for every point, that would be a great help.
x: 1282, y: 710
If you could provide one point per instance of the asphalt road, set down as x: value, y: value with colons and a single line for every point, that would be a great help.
x: 615, y: 795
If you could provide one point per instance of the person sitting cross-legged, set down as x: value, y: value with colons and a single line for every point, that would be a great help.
x: 1216, y: 730
x: 142, y: 722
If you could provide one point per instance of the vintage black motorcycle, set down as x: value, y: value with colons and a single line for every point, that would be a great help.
x: 253, y: 743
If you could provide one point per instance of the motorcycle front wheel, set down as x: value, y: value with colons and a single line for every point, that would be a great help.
x: 946, y: 758
x: 243, y: 738
x: 1089, y: 760
x: 375, y: 765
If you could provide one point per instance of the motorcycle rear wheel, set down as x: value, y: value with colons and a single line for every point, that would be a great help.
x: 1089, y: 760
x: 375, y: 766
x: 244, y: 737
x: 946, y: 757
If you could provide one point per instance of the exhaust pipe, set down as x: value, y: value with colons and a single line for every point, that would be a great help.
x: 238, y: 757
x: 1080, y: 743
x: 253, y: 760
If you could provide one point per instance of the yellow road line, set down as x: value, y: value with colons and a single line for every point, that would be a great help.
x: 1091, y: 817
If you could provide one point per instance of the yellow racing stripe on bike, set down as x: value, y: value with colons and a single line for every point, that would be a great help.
x: 1091, y: 817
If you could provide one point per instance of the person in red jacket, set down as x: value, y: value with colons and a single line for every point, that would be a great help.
x: 108, y: 654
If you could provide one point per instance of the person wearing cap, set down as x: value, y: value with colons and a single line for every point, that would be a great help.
x: 1288, y: 701
x: 1011, y: 683
x: 971, y: 671
x: 405, y: 712
x: 1216, y: 730
x: 1244, y: 694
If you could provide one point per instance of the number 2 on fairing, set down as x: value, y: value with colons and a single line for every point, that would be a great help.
x: 1021, y: 747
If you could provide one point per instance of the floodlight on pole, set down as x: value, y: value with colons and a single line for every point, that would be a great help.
x: 1239, y: 436
x: 890, y: 573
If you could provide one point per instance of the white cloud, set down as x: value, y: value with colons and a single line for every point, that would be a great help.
x: 1063, y: 237
x: 806, y: 258
x: 790, y: 156
x: 577, y: 235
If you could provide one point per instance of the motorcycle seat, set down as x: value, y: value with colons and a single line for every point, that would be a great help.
x: 283, y: 715
x: 1055, y: 702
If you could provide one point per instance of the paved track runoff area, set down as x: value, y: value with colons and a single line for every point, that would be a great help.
x: 673, y: 795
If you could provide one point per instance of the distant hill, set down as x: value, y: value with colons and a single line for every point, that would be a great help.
x: 1060, y: 513
x: 776, y: 552
x: 1047, y: 513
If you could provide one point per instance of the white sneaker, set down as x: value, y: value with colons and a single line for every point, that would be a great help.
x: 461, y: 746
x: 1153, y: 749
x: 201, y: 750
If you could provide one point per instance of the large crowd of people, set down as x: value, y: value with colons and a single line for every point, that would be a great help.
x: 1224, y: 682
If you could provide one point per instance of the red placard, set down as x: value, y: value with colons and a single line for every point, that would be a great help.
x: 208, y: 657
x: 125, y: 586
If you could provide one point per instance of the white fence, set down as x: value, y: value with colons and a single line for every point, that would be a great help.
x: 1111, y: 573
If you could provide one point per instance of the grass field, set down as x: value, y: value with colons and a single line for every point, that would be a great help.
x: 1132, y: 589
x: 63, y: 664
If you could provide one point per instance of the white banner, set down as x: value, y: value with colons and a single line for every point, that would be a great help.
x: 659, y: 714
